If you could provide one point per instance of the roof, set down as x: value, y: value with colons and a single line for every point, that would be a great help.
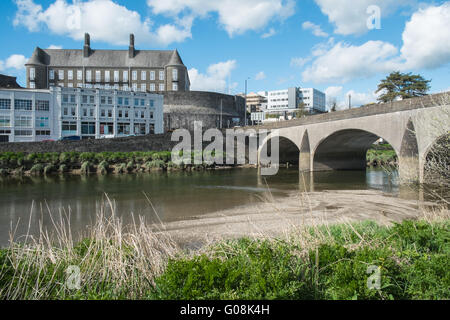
x: 105, y: 58
x: 8, y: 82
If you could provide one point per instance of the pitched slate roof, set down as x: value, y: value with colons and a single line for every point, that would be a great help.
x: 105, y: 58
x: 8, y: 82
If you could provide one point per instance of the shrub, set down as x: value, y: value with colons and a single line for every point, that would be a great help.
x: 86, y: 167
x: 49, y: 169
x: 63, y: 169
x: 103, y: 168
x: 37, y: 169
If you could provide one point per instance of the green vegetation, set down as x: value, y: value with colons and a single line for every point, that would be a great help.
x: 402, y: 85
x: 382, y: 155
x: 329, y: 262
x: 12, y: 163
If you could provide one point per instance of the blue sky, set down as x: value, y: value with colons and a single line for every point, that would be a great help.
x: 325, y: 44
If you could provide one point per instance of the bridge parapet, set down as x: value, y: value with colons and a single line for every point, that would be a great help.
x: 365, y: 111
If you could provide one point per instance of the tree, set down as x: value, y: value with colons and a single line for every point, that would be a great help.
x: 402, y: 85
x: 332, y: 104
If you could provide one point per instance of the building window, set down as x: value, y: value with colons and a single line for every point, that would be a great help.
x: 61, y: 75
x: 152, y: 75
x: 5, y: 104
x: 106, y: 128
x: 110, y: 113
x: 5, y: 121
x: 88, y: 128
x: 161, y: 87
x: 125, y: 76
x: 23, y: 133
x: 73, y: 111
x: 123, y: 128
x: 32, y: 85
x: 45, y: 133
x: 135, y: 86
x: 139, y: 128
x: 73, y: 98
x: 98, y: 76
x: 23, y: 122
x: 42, y: 105
x: 89, y: 76
x: 144, y: 75
x: 110, y: 100
x: 91, y: 112
x: 152, y: 103
x: 80, y: 75
x: 161, y: 75
x: 152, y: 87
x: 70, y: 75
x: 70, y: 85
x: 142, y: 102
x: 107, y: 76
x: 175, y: 74
x: 52, y: 75
x: 91, y: 99
x: 120, y: 114
x: 69, y: 127
x: 151, y: 115
x: 174, y: 86
x: 42, y: 122
x: 116, y: 76
x: 134, y: 76
x: 32, y: 74
x: 126, y: 88
x: 143, y: 87
x: 26, y: 105
x: 103, y: 113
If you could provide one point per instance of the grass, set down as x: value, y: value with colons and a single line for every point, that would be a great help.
x: 321, y: 262
x: 382, y: 155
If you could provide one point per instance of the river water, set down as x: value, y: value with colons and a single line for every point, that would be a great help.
x: 174, y: 196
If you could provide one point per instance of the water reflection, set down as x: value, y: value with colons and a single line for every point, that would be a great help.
x: 174, y: 196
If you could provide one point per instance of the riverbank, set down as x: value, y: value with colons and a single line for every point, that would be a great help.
x: 82, y: 163
x: 311, y: 262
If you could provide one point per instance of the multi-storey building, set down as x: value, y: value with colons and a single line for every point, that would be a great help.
x: 291, y: 100
x: 126, y: 70
x: 38, y: 115
x: 256, y: 102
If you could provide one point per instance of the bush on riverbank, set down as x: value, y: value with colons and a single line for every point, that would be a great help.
x: 76, y: 162
x: 313, y: 263
x: 381, y: 156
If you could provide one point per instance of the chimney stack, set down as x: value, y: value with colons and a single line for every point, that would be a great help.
x: 87, y: 45
x: 131, y: 51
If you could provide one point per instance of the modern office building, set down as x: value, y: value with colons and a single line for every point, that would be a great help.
x: 28, y: 115
x: 256, y: 102
x: 291, y: 100
x: 127, y: 70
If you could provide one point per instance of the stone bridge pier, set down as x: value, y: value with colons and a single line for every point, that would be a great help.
x: 340, y: 140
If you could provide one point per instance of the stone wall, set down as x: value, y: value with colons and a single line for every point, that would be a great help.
x: 129, y: 144
x: 215, y: 110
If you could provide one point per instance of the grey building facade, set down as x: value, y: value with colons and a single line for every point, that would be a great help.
x: 155, y: 71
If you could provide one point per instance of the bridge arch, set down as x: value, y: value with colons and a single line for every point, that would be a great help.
x: 289, y: 150
x: 436, y: 161
x: 344, y: 149
x: 409, y: 161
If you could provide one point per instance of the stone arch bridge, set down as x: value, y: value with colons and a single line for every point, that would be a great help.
x: 340, y: 140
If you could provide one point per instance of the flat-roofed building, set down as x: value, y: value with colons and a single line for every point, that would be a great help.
x: 28, y: 115
x: 291, y: 100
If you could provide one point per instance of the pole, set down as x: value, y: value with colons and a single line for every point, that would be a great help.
x: 349, y: 101
x: 245, y: 111
x: 221, y: 113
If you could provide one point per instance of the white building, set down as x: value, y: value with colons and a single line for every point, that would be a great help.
x: 292, y: 99
x: 38, y: 115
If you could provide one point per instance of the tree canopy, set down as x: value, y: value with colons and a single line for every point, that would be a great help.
x: 402, y: 85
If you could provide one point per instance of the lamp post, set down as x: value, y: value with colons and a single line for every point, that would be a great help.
x: 245, y: 111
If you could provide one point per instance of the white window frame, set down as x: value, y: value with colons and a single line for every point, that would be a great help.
x: 174, y: 86
x: 60, y: 74
x: 152, y: 75
x: 144, y: 87
x: 175, y: 74
x: 80, y: 75
x: 161, y: 75
x: 107, y: 76
x: 144, y: 75
x: 52, y: 74
x: 89, y: 75
x: 152, y: 87
x: 32, y: 74
x: 134, y: 75
x: 125, y: 76
x: 69, y: 74
x: 162, y: 87
x: 98, y: 76
x: 116, y: 76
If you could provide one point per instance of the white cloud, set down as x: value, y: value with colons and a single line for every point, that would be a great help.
x: 269, y: 34
x: 53, y: 46
x: 15, y: 61
x: 345, y: 62
x: 350, y: 16
x: 236, y: 16
x: 360, y: 99
x: 260, y: 76
x: 333, y: 92
x: 105, y: 20
x: 215, y: 78
x: 426, y: 44
x: 316, y: 29
x: 299, y: 62
x: 426, y: 39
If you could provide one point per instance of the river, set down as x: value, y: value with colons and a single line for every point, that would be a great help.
x: 174, y: 196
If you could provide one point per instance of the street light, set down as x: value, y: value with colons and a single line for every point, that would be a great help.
x: 245, y: 110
